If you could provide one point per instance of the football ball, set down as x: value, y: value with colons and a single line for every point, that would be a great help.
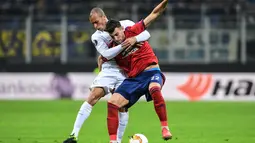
x: 138, y: 138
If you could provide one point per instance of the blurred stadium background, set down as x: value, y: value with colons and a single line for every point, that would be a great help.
x: 206, y: 49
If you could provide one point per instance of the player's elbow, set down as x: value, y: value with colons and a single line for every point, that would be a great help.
x: 108, y: 56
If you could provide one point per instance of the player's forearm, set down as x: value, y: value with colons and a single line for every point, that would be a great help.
x: 112, y: 52
x: 155, y: 13
x: 144, y: 36
x: 99, y: 62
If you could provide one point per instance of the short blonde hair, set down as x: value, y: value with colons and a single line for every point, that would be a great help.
x: 98, y: 11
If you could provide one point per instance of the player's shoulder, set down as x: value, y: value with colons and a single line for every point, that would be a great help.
x: 96, y: 34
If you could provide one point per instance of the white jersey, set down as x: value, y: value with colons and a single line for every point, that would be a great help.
x: 111, y: 75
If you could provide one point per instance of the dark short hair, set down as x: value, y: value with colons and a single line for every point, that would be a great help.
x: 111, y: 25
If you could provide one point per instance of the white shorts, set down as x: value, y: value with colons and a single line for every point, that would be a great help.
x: 108, y: 79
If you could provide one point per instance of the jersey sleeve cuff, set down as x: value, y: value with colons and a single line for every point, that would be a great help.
x: 143, y: 24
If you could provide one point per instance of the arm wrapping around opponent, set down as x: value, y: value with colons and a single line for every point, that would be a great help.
x: 110, y: 53
x: 103, y: 49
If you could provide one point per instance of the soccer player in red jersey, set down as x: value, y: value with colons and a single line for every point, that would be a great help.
x: 145, y: 77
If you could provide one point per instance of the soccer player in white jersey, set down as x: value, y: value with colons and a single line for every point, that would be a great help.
x: 111, y: 76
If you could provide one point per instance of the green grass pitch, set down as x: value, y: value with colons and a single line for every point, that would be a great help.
x: 190, y: 122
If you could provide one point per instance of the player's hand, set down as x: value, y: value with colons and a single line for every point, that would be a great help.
x: 125, y: 44
x: 129, y: 42
x: 139, y: 44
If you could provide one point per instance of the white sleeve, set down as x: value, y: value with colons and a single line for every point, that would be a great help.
x: 103, y: 49
x: 144, y: 36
